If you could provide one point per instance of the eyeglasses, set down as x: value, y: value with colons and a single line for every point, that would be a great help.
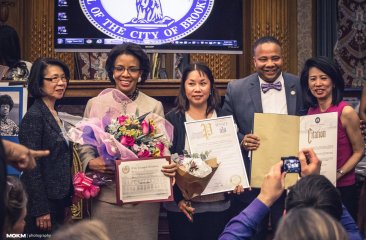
x: 130, y: 70
x: 56, y: 79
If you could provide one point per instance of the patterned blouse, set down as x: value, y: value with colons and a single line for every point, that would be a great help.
x: 8, y: 127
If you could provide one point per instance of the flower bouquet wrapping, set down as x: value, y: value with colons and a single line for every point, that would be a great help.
x: 194, y: 172
x: 116, y: 130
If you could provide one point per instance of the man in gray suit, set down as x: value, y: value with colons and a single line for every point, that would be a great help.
x: 269, y: 90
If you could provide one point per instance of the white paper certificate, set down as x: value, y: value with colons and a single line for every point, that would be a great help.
x: 142, y: 180
x: 319, y: 131
x: 219, y: 136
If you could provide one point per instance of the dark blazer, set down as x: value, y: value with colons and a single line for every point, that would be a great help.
x: 51, y: 179
x: 243, y: 99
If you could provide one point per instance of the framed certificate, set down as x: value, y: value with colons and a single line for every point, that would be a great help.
x: 141, y: 180
x: 219, y: 136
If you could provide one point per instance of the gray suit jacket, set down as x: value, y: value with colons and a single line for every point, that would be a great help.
x: 51, y: 178
x: 243, y: 99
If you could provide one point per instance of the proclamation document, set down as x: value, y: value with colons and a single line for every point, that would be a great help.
x: 319, y: 131
x: 284, y: 135
x: 219, y: 136
x: 141, y: 180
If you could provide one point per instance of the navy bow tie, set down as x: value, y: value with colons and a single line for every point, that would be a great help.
x: 267, y: 86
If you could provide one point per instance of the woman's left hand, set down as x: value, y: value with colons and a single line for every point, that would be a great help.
x: 238, y: 189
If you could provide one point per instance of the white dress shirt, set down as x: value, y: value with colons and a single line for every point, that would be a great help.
x: 274, y: 101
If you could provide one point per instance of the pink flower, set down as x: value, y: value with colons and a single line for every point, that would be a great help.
x: 122, y: 119
x: 127, y: 141
x: 143, y: 153
x: 145, y: 127
x: 160, y: 145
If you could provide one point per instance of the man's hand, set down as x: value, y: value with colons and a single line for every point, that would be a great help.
x: 99, y: 165
x: 273, y: 185
x: 250, y: 142
x: 21, y: 157
x: 310, y: 164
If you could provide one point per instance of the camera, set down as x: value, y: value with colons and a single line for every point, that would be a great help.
x: 291, y: 164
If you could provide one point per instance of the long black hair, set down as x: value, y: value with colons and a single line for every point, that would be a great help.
x: 213, y: 101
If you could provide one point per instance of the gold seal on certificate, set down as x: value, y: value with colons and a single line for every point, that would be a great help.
x: 141, y: 180
x: 235, y: 180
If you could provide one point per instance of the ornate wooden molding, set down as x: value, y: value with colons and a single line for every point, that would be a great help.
x: 221, y: 64
x: 154, y: 88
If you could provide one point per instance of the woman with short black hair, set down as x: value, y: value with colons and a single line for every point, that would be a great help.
x: 49, y: 184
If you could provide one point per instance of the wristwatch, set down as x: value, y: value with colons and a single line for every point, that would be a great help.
x: 340, y: 171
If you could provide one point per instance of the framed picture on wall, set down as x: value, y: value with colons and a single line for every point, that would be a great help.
x: 13, y: 106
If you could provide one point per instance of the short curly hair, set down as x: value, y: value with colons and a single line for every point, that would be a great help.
x: 6, y: 100
x: 129, y: 49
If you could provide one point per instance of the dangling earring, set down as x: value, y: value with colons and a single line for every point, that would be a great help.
x: 139, y: 79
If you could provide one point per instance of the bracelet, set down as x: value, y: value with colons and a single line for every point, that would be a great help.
x: 340, y: 171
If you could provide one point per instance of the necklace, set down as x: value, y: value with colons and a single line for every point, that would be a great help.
x: 134, y: 95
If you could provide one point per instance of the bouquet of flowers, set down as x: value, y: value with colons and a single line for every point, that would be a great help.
x: 116, y: 130
x: 194, y: 172
x: 138, y: 134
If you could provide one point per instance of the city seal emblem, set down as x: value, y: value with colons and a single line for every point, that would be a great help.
x: 147, y: 21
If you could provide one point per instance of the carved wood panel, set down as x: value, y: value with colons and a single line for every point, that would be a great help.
x: 222, y: 65
x: 277, y: 18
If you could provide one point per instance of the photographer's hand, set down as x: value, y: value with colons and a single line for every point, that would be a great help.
x: 310, y: 163
x: 273, y: 185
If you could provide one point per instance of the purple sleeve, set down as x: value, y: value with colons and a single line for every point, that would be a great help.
x: 244, y: 225
x: 349, y: 225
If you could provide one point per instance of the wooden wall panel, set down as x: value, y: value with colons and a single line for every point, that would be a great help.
x: 223, y: 66
x: 271, y: 17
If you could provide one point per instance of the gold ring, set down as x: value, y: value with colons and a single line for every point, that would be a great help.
x: 246, y: 144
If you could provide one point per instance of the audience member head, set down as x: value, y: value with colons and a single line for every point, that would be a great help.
x: 83, y: 230
x: 321, y: 73
x: 9, y: 46
x: 127, y: 64
x: 45, y: 76
x: 6, y: 104
x: 315, y: 191
x: 197, y: 79
x: 16, y: 206
x: 267, y: 57
x: 309, y: 224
